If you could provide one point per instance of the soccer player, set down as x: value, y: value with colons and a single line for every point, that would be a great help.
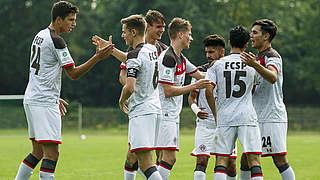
x: 236, y: 117
x: 268, y: 97
x: 205, y: 134
x: 49, y: 55
x: 141, y: 93
x: 173, y: 67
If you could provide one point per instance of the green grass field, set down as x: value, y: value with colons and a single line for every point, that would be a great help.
x: 101, y: 156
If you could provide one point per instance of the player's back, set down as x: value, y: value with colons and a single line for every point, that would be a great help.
x: 49, y: 54
x: 234, y: 81
x: 145, y: 98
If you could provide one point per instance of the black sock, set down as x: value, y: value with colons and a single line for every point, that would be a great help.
x: 232, y: 173
x: 220, y: 169
x: 165, y: 165
x: 128, y: 167
x: 31, y: 161
x: 201, y: 167
x: 149, y: 171
x: 48, y: 165
x: 256, y: 171
x: 283, y: 167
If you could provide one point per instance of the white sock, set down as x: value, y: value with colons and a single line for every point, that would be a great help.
x: 24, y: 172
x: 245, y: 175
x: 155, y: 176
x: 199, y: 175
x: 141, y: 174
x: 46, y: 176
x: 232, y: 178
x: 288, y: 174
x: 165, y: 173
x: 129, y: 175
x: 219, y: 176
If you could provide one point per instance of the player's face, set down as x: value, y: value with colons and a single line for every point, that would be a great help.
x: 186, y: 39
x: 213, y: 53
x: 68, y: 23
x: 156, y: 30
x: 127, y: 35
x: 256, y: 37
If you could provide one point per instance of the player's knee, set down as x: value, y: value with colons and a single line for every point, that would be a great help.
x: 232, y: 164
x: 202, y: 160
x: 131, y: 158
x: 280, y: 160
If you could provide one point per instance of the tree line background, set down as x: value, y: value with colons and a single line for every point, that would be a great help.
x: 297, y: 41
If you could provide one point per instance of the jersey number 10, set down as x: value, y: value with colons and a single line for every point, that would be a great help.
x: 35, y: 59
x: 237, y: 81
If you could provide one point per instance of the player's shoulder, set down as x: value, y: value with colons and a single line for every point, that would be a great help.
x: 135, y: 52
x: 269, y: 53
x: 57, y: 40
x: 204, y: 67
x: 169, y: 58
x: 161, y: 46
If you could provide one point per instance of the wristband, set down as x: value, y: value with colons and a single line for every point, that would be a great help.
x: 195, y: 108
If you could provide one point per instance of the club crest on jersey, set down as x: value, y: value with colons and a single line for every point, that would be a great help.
x: 202, y: 147
x: 64, y: 54
x: 167, y: 73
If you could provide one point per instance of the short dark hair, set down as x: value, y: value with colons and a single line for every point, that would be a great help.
x: 62, y: 9
x: 239, y: 36
x: 154, y: 16
x: 136, y: 22
x: 215, y: 41
x: 267, y: 26
x: 178, y: 25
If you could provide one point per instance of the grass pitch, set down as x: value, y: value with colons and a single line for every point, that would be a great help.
x: 101, y: 156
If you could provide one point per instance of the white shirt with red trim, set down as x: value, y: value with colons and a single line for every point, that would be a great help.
x: 49, y: 54
x: 268, y: 98
x: 172, y: 71
x: 233, y: 81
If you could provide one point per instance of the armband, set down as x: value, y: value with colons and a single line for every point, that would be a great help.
x: 195, y: 108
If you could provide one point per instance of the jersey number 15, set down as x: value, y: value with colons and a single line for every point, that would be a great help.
x: 237, y: 81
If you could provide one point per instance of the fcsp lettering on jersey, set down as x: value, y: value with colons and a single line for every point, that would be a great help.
x: 38, y: 40
x: 153, y: 56
x: 234, y: 65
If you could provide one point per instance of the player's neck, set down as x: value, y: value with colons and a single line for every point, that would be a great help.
x: 236, y: 51
x: 138, y: 40
x: 264, y: 47
x: 150, y: 40
x: 56, y: 29
x: 176, y: 48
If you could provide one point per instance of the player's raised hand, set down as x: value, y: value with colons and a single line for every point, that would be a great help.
x: 103, y: 52
x: 100, y: 42
x: 201, y: 114
x: 62, y: 108
x: 248, y: 58
x: 202, y: 83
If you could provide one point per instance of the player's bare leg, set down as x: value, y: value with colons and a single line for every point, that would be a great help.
x: 158, y: 155
x: 145, y: 161
x: 245, y: 173
x: 50, y: 158
x: 232, y: 169
x: 30, y: 162
x: 167, y: 161
x: 201, y: 166
x: 281, y: 162
x: 131, y: 167
x: 220, y: 170
x: 254, y: 165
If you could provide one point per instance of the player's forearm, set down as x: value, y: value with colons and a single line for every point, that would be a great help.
x: 125, y: 94
x: 192, y: 98
x: 170, y: 91
x: 121, y: 56
x: 210, y: 100
x: 267, y: 74
x: 198, y: 75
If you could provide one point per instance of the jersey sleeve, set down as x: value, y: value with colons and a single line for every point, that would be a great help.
x: 133, y: 64
x: 190, y: 68
x: 275, y: 62
x: 211, y: 75
x: 123, y: 66
x: 167, y: 70
x: 62, y: 52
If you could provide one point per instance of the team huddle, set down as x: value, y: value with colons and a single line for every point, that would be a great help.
x: 238, y: 96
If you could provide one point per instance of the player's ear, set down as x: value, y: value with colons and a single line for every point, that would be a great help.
x: 58, y: 20
x: 222, y: 52
x: 133, y: 32
x: 180, y: 34
x: 266, y: 36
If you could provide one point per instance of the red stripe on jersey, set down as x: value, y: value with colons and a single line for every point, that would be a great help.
x: 49, y: 141
x: 233, y: 157
x: 68, y: 65
x: 274, y: 67
x: 252, y: 153
x: 167, y: 148
x: 192, y: 72
x: 262, y: 62
x: 217, y: 154
x: 123, y: 67
x: 275, y: 154
x: 217, y: 171
x: 195, y: 91
x: 256, y: 175
x: 181, y: 68
x: 212, y: 83
x: 26, y: 163
x: 137, y: 149
x: 164, y: 82
x: 199, y: 155
x: 46, y: 170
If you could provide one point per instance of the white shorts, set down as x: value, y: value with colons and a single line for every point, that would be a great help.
x: 44, y: 123
x: 143, y: 131
x: 168, y: 137
x: 249, y: 137
x: 205, y: 142
x: 273, y: 138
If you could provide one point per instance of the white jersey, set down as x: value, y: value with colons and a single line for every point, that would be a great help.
x: 172, y: 71
x: 49, y: 54
x: 268, y: 98
x: 233, y: 81
x: 142, y: 64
